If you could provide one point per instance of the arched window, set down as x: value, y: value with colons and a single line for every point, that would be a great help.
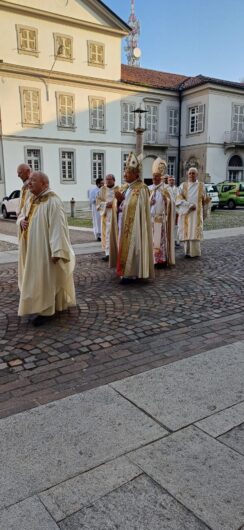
x: 235, y: 169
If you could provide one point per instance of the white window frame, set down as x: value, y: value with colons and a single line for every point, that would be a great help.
x: 151, y: 136
x: 97, y: 152
x: 25, y: 122
x: 173, y: 121
x: 62, y: 56
x: 63, y: 118
x: 124, y: 156
x: 196, y: 117
x: 26, y: 157
x: 73, y: 158
x: 171, y: 165
x: 93, y: 110
x: 237, y: 122
x: 128, y: 125
x: 21, y: 49
x: 90, y: 52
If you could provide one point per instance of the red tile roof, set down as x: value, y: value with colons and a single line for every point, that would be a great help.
x: 151, y: 78
x: 164, y: 80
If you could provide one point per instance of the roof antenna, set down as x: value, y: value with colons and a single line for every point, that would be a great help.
x: 132, y: 50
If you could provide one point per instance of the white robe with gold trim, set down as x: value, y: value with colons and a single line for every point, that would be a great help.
x: 45, y: 287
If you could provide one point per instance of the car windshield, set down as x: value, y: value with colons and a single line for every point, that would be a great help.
x: 212, y: 187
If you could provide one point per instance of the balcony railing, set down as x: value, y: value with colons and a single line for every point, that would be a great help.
x: 158, y: 138
x: 236, y: 137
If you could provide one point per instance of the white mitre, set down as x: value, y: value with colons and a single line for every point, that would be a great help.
x: 133, y: 161
x: 159, y: 166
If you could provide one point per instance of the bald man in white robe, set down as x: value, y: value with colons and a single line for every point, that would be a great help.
x: 46, y: 258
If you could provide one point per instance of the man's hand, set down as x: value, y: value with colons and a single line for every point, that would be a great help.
x: 24, y: 224
x: 55, y: 260
x: 119, y: 196
x: 109, y: 205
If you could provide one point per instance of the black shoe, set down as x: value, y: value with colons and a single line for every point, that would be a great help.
x: 127, y: 281
x: 40, y: 320
x: 160, y: 265
x: 105, y: 258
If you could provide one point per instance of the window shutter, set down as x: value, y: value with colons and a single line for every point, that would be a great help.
x: 70, y: 114
x: 200, y: 121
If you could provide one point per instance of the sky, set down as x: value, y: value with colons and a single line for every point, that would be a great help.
x: 189, y: 37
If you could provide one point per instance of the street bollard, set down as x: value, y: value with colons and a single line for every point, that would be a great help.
x: 72, y: 207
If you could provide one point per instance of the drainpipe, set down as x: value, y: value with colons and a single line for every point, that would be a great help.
x: 179, y: 137
x: 2, y: 177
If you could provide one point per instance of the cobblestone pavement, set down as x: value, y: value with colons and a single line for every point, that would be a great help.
x: 116, y: 330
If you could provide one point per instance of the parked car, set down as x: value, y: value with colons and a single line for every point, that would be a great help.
x: 212, y: 191
x: 10, y: 205
x: 231, y: 194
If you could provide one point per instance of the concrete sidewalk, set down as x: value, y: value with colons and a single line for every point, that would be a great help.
x: 11, y: 256
x: 163, y: 450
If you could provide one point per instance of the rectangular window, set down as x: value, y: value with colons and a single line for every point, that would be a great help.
x: 97, y: 166
x: 151, y: 123
x: 31, y: 108
x: 27, y: 40
x: 128, y: 117
x: 63, y: 47
x: 123, y: 162
x: 237, y: 129
x: 96, y: 109
x: 173, y: 125
x: 67, y: 166
x: 65, y: 110
x: 95, y: 53
x: 196, y: 119
x: 171, y: 165
x: 33, y: 158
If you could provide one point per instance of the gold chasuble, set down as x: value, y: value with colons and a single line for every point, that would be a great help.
x: 163, y: 219
x: 105, y: 195
x: 45, y: 286
x: 131, y: 249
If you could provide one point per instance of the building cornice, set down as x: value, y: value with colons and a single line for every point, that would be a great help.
x: 212, y: 88
x: 37, y: 140
x: 54, y: 77
x: 120, y: 30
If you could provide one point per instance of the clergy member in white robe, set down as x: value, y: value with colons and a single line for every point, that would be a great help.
x: 131, y: 229
x: 162, y: 216
x: 193, y: 205
x: 23, y: 172
x: 46, y: 258
x: 172, y: 188
x: 104, y: 205
x: 96, y: 217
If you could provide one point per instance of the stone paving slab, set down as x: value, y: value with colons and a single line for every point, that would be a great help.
x: 56, y: 442
x: 223, y: 421
x: 200, y: 472
x: 29, y: 514
x: 139, y: 505
x: 182, y: 393
x: 81, y: 491
x: 235, y: 439
x: 9, y: 238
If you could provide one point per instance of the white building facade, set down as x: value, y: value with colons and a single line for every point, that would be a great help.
x: 67, y: 108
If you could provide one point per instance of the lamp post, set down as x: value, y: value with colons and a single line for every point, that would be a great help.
x: 140, y: 127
